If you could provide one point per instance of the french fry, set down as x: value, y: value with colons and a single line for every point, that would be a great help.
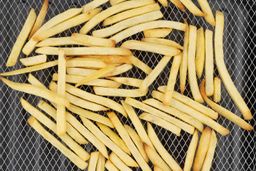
x: 161, y: 150
x: 92, y: 41
x: 151, y: 47
x: 222, y: 70
x: 200, y: 52
x: 208, y: 15
x: 22, y: 37
x: 191, y: 67
x: 93, y: 161
x: 192, y: 7
x: 179, y: 5
x: 146, y: 26
x: 58, y: 41
x: 111, y: 11
x: 126, y: 138
x: 130, y: 13
x: 156, y: 168
x: 33, y: 60
x: 191, y: 152
x: 118, y: 162
x: 56, y: 143
x: 157, y: 33
x: 31, y: 68
x: 110, y: 166
x: 155, y: 73
x: 160, y: 122
x: 155, y: 158
x: 172, y: 79
x: 109, y: 143
x: 111, y: 30
x: 209, y: 64
x: 164, y: 3
x: 114, y: 137
x: 217, y: 90
x: 101, y: 163
x: 114, y: 2
x: 172, y: 111
x: 86, y: 63
x: 112, y: 59
x: 120, y: 70
x: 127, y: 81
x: 195, y: 114
x: 80, y: 71
x: 52, y: 126
x: 117, y: 92
x: 34, y: 81
x: 224, y: 112
x: 93, y: 4
x: 140, y: 64
x: 163, y: 42
x: 202, y: 148
x: 137, y: 141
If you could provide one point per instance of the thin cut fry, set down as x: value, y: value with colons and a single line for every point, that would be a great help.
x: 126, y: 138
x: 117, y: 92
x: 156, y: 168
x: 57, y: 41
x: 161, y: 150
x: 118, y: 162
x: 140, y: 64
x: 111, y: 11
x: 111, y: 59
x: 146, y: 26
x: 93, y: 4
x: 224, y: 112
x: 111, y: 30
x: 209, y: 64
x: 114, y: 2
x: 93, y: 161
x: 191, y: 65
x: 164, y: 3
x: 127, y: 81
x: 92, y: 41
x: 101, y: 163
x: 151, y: 47
x: 33, y: 60
x: 166, y: 42
x: 86, y: 63
x: 22, y: 37
x: 120, y: 70
x: 80, y: 71
x: 56, y: 143
x: 217, y: 90
x: 131, y: 13
x: 178, y: 4
x: 192, y: 7
x: 208, y: 15
x: 34, y: 81
x: 200, y: 52
x: 110, y: 166
x: 157, y: 33
x: 191, y: 152
x: 222, y: 70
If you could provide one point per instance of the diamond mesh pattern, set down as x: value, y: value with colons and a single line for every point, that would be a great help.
x: 21, y: 148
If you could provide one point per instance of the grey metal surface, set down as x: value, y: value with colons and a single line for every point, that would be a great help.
x: 21, y: 148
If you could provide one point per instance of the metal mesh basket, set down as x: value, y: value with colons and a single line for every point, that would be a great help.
x: 21, y: 148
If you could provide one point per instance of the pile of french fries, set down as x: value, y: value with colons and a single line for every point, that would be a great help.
x: 92, y: 58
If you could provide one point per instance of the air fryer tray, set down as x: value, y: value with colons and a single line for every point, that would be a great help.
x: 21, y: 148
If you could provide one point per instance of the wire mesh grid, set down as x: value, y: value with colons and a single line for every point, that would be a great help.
x: 21, y: 148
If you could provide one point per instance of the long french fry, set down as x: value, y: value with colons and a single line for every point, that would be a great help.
x: 93, y: 4
x: 58, y: 41
x: 208, y: 15
x: 178, y: 4
x: 192, y: 7
x: 164, y: 3
x: 127, y: 81
x: 101, y: 163
x: 80, y: 71
x: 111, y: 11
x: 118, y: 162
x: 117, y: 92
x: 217, y: 89
x: 161, y: 150
x: 22, y: 37
x: 33, y: 60
x: 93, y: 161
x: 222, y: 70
x: 163, y: 42
x: 156, y: 168
x: 200, y: 52
x: 120, y: 70
x: 111, y: 30
x: 34, y: 81
x: 56, y: 143
x: 110, y: 166
x: 114, y: 2
x: 112, y: 59
x: 209, y: 63
x: 157, y: 33
x: 86, y: 63
x: 140, y: 64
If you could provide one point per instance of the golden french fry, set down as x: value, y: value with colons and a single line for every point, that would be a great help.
x: 172, y: 79
x: 118, y: 162
x: 117, y: 92
x: 140, y: 64
x: 209, y: 64
x: 217, y: 89
x: 224, y: 112
x: 151, y: 47
x: 56, y: 143
x: 156, y: 168
x: 161, y: 150
x: 120, y: 70
x: 178, y: 4
x: 114, y: 2
x: 157, y: 33
x: 202, y: 149
x: 92, y: 41
x: 200, y: 52
x: 33, y: 60
x: 59, y: 41
x: 192, y: 7
x: 111, y: 30
x: 191, y: 65
x: 155, y: 158
x: 86, y: 63
x: 164, y: 3
x: 110, y: 166
x: 22, y: 37
x: 34, y: 81
x: 93, y: 4
x: 80, y: 71
x: 126, y: 138
x: 222, y: 70
x: 208, y: 15
x: 101, y: 163
x: 163, y: 42
x: 127, y: 81
x: 93, y: 161
x: 146, y: 26
x: 131, y: 13
x: 112, y: 59
x: 111, y: 11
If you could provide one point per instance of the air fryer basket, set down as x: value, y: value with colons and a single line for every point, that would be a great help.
x: 21, y: 148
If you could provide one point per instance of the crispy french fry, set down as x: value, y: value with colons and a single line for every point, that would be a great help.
x: 93, y: 161
x: 192, y: 7
x: 126, y: 138
x: 112, y: 59
x: 56, y: 143
x: 155, y: 158
x: 118, y: 162
x: 208, y: 15
x: 209, y: 64
x: 202, y: 149
x: 92, y: 41
x: 157, y: 33
x: 151, y: 47
x: 217, y: 89
x: 109, y: 143
x: 117, y: 92
x: 178, y: 4
x: 164, y: 3
x: 127, y: 81
x: 191, y: 152
x: 163, y: 42
x: 101, y: 163
x: 33, y: 60
x: 59, y: 41
x: 161, y: 150
x: 146, y: 26
x: 86, y: 63
x: 34, y: 81
x: 172, y: 79
x: 110, y: 166
x: 111, y: 30
x: 22, y: 37
x: 111, y: 11
x: 114, y: 2
x: 222, y: 70
x: 80, y: 71
x: 155, y: 73
x: 224, y: 112
x: 200, y: 52
x: 93, y: 4
x: 191, y: 67
x: 140, y: 64
x: 131, y: 13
